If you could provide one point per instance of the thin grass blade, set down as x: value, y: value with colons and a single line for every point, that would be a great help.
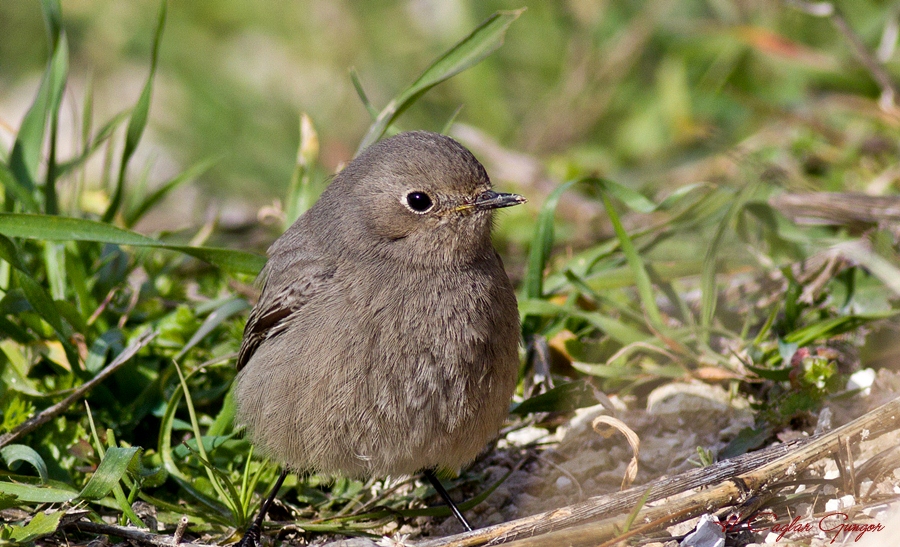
x: 45, y: 227
x: 636, y: 263
x: 709, y: 296
x: 542, y: 243
x: 469, y: 51
x: 138, y: 120
x: 59, y: 70
x: 138, y: 211
x: 16, y: 454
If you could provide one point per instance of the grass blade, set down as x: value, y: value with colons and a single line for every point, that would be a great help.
x: 138, y: 211
x: 138, y: 120
x: 25, y: 158
x: 709, y: 295
x: 59, y: 70
x: 112, y: 468
x: 92, y: 145
x: 41, y: 524
x: 642, y: 278
x: 357, y: 85
x: 37, y: 494
x: 29, y: 226
x: 481, y: 42
x: 542, y: 244
x: 14, y: 454
x: 16, y: 191
x: 52, y: 12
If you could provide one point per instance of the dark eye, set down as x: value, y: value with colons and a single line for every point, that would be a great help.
x: 419, y: 202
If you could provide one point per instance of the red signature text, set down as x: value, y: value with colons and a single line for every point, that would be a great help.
x: 833, y: 524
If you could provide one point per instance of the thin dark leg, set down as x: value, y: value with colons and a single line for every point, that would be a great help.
x: 251, y: 536
x: 432, y: 478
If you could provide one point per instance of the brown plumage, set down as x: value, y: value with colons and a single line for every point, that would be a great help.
x: 385, y: 340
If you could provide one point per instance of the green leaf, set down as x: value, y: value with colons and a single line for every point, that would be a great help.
x: 112, y: 468
x: 562, y: 398
x: 55, y: 268
x: 636, y: 263
x: 25, y: 158
x: 15, y: 454
x: 709, y: 295
x: 228, y: 259
x: 41, y: 524
x: 56, y: 228
x: 618, y: 331
x: 623, y: 276
x: 77, y: 229
x: 830, y: 328
x: 18, y: 190
x: 542, y: 243
x: 357, y: 85
x: 92, y: 145
x: 225, y: 418
x: 37, y: 494
x: 138, y: 120
x: 100, y: 349
x: 481, y: 42
x: 213, y: 320
x: 52, y: 12
x: 876, y: 265
x: 15, y: 378
x: 632, y: 199
x: 219, y: 481
x: 164, y: 448
x: 747, y: 439
x: 774, y: 374
x: 41, y: 302
x: 59, y: 71
x: 139, y: 210
x: 451, y: 120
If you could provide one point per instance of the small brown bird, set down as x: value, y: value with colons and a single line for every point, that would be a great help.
x: 385, y: 340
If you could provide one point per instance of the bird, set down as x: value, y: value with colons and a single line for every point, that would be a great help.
x: 385, y: 341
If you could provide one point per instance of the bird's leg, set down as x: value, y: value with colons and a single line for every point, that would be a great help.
x: 432, y: 478
x: 251, y: 536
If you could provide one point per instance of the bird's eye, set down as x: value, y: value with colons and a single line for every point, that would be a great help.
x: 419, y: 202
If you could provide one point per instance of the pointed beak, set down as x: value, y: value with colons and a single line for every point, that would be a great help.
x: 495, y: 200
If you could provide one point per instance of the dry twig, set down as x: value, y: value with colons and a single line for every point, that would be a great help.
x: 729, y: 482
x: 133, y: 535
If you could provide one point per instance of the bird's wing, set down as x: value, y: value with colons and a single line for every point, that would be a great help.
x: 281, y: 298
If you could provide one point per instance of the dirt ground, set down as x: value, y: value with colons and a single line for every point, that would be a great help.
x: 575, y: 462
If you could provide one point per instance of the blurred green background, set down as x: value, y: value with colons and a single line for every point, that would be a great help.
x: 627, y: 89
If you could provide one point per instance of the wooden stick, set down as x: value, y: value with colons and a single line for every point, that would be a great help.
x: 132, y: 534
x: 728, y: 482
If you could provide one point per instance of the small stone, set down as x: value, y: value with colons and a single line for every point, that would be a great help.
x: 352, y: 542
x: 681, y: 398
x: 862, y: 379
x: 526, y: 435
x: 709, y: 533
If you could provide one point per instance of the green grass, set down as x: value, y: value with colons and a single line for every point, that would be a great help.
x: 685, y: 273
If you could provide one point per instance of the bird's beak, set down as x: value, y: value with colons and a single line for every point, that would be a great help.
x: 495, y: 200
